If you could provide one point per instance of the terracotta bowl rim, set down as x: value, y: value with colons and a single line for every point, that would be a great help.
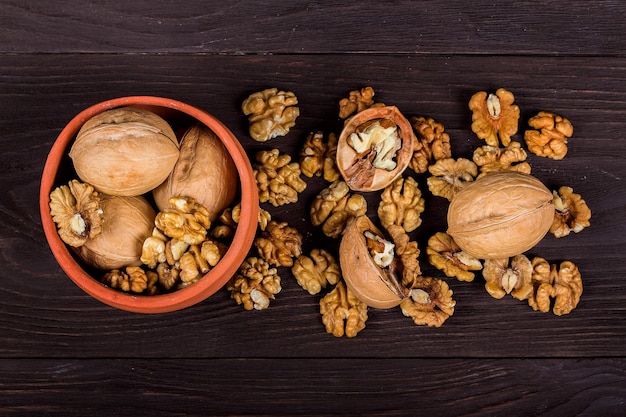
x: 208, y: 284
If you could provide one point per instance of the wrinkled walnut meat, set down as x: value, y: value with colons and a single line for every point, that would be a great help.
x: 271, y: 113
x: 550, y: 134
x: 445, y: 255
x: 377, y: 141
x: 571, y: 213
x: 432, y: 143
x: 494, y: 116
x: 184, y: 220
x: 357, y: 101
x: 491, y: 159
x: 342, y: 312
x: 279, y: 244
x: 75, y: 209
x: 430, y: 302
x: 277, y: 178
x: 314, y: 272
x: 317, y: 157
x: 563, y: 285
x: 407, y: 255
x: 132, y: 279
x: 503, y: 278
x: 401, y: 203
x: 255, y: 284
x: 334, y: 206
x: 449, y: 176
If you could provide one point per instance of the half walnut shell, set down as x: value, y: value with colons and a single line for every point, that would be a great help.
x: 376, y: 286
x: 374, y: 148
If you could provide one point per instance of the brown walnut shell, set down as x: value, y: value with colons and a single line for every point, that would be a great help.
x: 204, y: 171
x: 358, y: 173
x: 500, y: 215
x: 375, y: 286
x: 124, y: 151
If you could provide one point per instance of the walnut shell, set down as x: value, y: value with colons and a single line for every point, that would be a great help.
x: 124, y: 151
x: 204, y: 171
x: 500, y: 215
x: 126, y: 222
x: 357, y: 168
x: 375, y: 286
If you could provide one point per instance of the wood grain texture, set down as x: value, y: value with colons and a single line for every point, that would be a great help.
x: 309, y: 26
x: 314, y: 387
x: 64, y: 353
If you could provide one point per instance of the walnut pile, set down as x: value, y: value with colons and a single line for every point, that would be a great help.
x: 571, y: 212
x: 75, y: 209
x: 271, y: 113
x: 494, y: 116
x: 430, y: 302
x: 279, y: 244
x: 317, y: 157
x: 132, y: 279
x: 180, y: 249
x: 563, y: 285
x: 549, y: 136
x: 343, y: 313
x: 278, y: 179
x: 334, y: 206
x: 445, y: 255
x: 401, y: 203
x: 432, y: 143
x: 255, y: 284
x: 449, y: 176
x: 492, y: 159
x: 316, y: 271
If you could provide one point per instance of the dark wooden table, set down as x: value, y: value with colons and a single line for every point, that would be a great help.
x: 64, y: 353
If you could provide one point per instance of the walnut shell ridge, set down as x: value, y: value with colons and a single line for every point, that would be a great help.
x: 500, y: 215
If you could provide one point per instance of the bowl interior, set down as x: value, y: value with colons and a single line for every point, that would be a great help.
x: 58, y: 170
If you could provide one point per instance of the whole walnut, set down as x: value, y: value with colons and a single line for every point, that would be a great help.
x: 125, y: 151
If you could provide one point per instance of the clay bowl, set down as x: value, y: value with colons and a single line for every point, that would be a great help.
x: 58, y: 170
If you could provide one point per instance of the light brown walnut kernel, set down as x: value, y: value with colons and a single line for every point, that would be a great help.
x: 277, y: 178
x: 314, y: 272
x: 132, y: 279
x: 563, y: 285
x: 401, y: 203
x: 407, y: 255
x: 494, y: 116
x: 279, y: 244
x: 445, y: 255
x: 167, y: 275
x: 271, y: 113
x: 357, y: 101
x: 75, y: 209
x: 432, y: 143
x: 255, y: 284
x: 153, y: 252
x: 503, y: 278
x: 550, y: 134
x: 312, y: 154
x: 185, y: 220
x: 571, y: 213
x: 449, y: 176
x: 342, y: 312
x: 491, y: 159
x: 334, y: 206
x: 430, y: 302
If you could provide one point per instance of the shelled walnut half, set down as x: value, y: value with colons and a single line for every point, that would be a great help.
x: 549, y: 136
x: 317, y: 156
x: 342, y: 312
x: 335, y: 206
x: 277, y: 178
x: 316, y: 271
x: 255, y: 284
x: 432, y: 143
x: 445, y: 255
x: 271, y: 113
x: 449, y: 176
x: 402, y: 204
x: 279, y: 244
x: 508, y: 276
x: 492, y: 159
x: 563, y: 285
x: 571, y: 212
x: 430, y: 302
x: 494, y: 116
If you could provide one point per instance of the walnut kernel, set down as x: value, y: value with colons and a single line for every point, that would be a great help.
x: 271, y: 113
x: 494, y: 116
x: 342, y: 312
